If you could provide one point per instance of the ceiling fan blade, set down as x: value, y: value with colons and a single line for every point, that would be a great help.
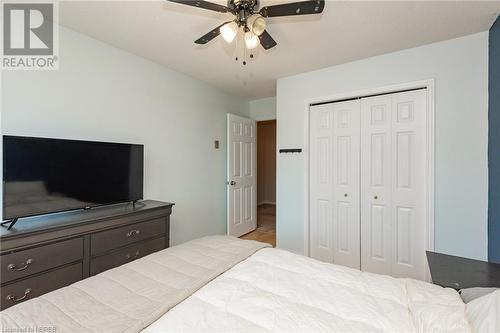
x: 294, y: 8
x: 203, y: 5
x: 210, y: 35
x: 267, y: 41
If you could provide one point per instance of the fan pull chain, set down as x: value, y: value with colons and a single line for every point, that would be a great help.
x: 244, y: 55
x: 236, y: 37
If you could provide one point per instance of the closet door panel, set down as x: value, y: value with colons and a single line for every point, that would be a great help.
x: 346, y: 214
x: 334, y: 183
x: 408, y: 160
x: 393, y: 173
x: 321, y: 184
x: 376, y: 222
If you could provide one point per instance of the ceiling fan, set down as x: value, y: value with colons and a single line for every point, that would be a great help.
x: 250, y: 19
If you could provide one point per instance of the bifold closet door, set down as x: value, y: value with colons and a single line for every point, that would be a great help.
x: 334, y: 183
x: 376, y: 227
x: 393, y: 184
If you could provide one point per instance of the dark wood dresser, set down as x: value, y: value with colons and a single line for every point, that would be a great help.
x: 41, y: 254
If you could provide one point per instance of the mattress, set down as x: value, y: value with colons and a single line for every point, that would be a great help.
x: 275, y: 290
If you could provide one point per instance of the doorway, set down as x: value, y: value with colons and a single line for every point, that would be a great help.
x: 266, y: 184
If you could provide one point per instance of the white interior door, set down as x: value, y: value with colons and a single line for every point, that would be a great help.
x: 241, y: 175
x: 368, y: 189
x: 409, y: 189
x: 334, y: 183
x: 321, y: 183
x: 393, y: 184
x: 376, y: 180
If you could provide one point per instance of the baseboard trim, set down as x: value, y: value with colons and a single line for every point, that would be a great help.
x: 266, y: 203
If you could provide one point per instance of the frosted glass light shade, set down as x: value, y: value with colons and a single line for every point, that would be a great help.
x: 229, y: 31
x: 251, y: 40
x: 256, y: 24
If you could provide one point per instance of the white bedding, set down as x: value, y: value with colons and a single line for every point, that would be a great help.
x: 130, y: 297
x: 268, y: 290
x: 483, y: 313
x: 274, y: 290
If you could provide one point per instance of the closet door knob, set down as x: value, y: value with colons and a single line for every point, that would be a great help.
x: 345, y: 195
x: 375, y: 197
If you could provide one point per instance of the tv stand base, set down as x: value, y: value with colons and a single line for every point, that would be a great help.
x: 137, y: 204
x: 10, y: 222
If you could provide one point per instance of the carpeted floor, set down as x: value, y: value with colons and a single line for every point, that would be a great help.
x: 266, y: 225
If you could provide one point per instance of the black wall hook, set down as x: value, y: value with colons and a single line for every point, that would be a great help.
x: 293, y: 150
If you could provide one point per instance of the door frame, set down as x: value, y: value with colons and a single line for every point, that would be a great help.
x: 430, y: 143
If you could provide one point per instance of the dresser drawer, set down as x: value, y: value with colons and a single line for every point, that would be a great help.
x: 23, y: 263
x: 125, y: 255
x: 112, y: 239
x: 29, y: 288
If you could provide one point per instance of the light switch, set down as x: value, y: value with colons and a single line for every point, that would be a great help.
x: 216, y: 144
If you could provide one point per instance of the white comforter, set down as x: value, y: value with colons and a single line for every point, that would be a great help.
x: 274, y: 290
x: 130, y: 297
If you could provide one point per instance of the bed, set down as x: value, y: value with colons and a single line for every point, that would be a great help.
x: 223, y: 284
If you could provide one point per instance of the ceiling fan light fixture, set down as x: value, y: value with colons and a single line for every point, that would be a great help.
x: 251, y: 40
x: 229, y: 31
x: 256, y: 24
x: 250, y: 17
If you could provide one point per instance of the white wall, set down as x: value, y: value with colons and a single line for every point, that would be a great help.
x: 459, y: 68
x: 263, y: 109
x: 103, y: 93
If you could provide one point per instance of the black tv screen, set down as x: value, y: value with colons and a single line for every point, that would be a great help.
x: 42, y: 176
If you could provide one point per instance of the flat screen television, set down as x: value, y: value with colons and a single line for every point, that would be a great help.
x: 42, y: 176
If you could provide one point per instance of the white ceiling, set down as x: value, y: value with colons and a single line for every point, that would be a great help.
x: 347, y: 30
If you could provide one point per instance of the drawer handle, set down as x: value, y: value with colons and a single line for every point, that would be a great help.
x: 133, y: 233
x: 134, y: 256
x: 13, y: 267
x: 15, y: 300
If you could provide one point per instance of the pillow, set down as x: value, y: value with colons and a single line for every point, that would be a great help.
x: 470, y: 294
x: 483, y: 313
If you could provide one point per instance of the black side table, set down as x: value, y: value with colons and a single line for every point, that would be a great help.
x: 459, y: 273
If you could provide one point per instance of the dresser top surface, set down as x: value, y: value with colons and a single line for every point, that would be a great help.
x: 39, y: 223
